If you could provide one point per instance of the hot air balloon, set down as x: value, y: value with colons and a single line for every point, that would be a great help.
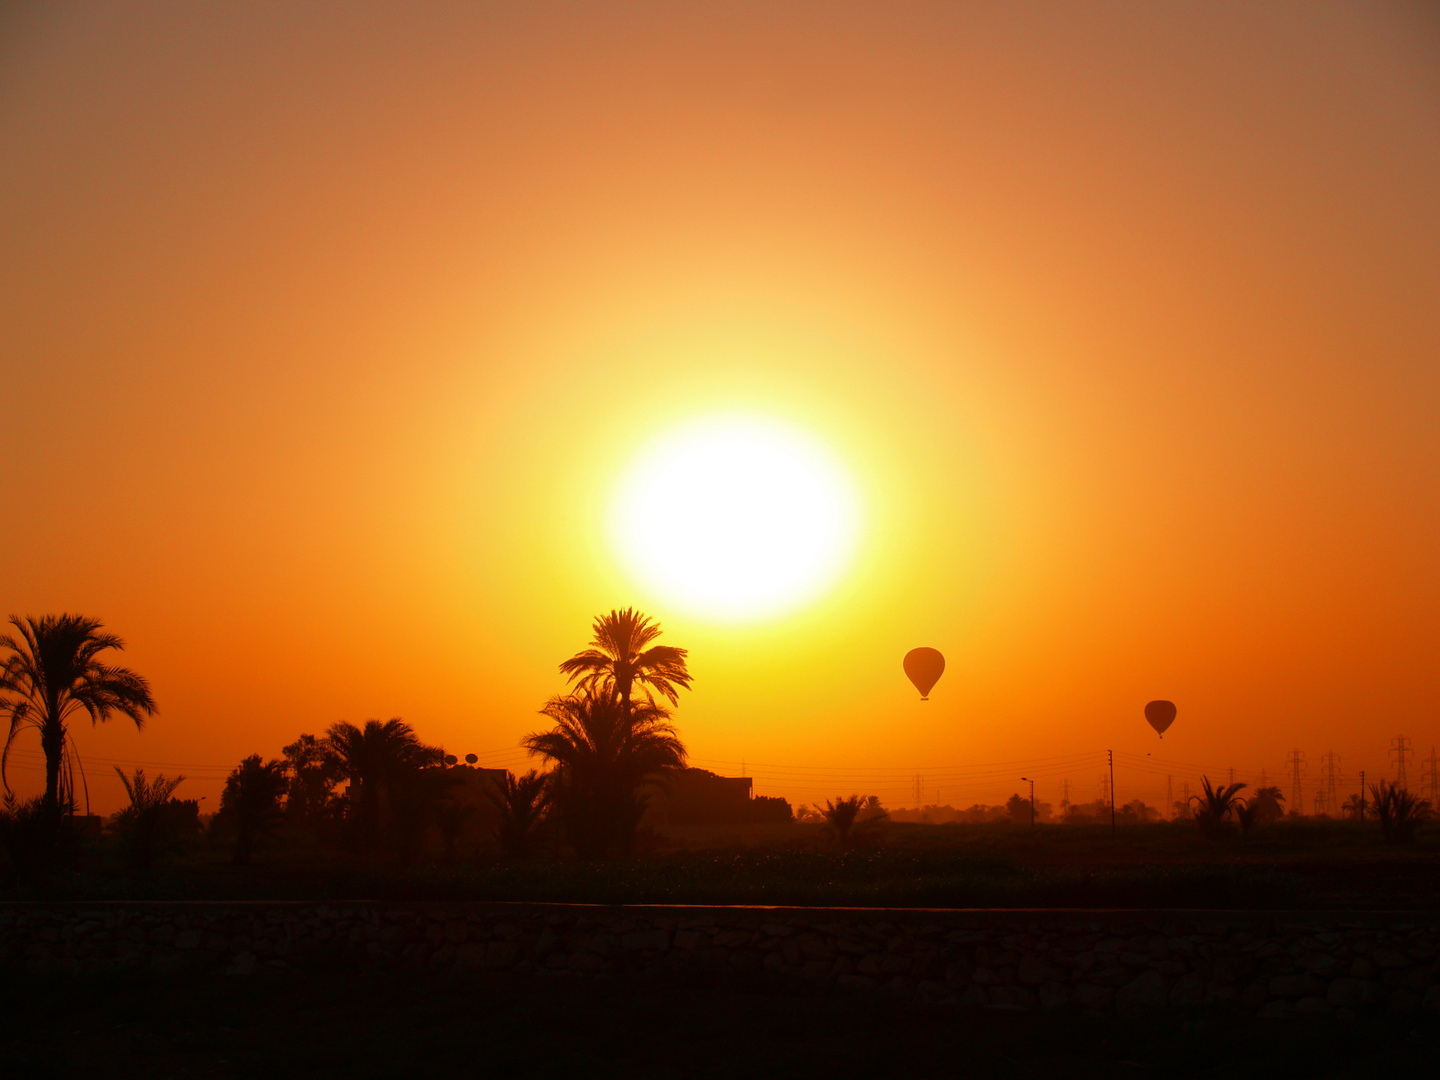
x: 1161, y: 715
x: 924, y: 668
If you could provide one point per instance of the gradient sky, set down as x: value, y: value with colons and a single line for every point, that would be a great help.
x: 329, y: 328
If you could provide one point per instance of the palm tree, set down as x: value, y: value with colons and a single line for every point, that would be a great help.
x: 374, y: 759
x: 521, y: 801
x: 250, y: 803
x: 617, y: 659
x: 846, y: 817
x: 1399, y: 812
x: 1267, y: 803
x: 605, y: 748
x: 1352, y: 807
x: 143, y: 822
x: 1215, y: 806
x: 51, y: 674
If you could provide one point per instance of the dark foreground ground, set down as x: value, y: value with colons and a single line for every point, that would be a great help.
x: 280, y: 1024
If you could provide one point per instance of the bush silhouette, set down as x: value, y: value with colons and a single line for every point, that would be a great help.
x: 1399, y: 812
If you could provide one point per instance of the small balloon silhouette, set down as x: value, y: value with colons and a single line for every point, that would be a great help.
x: 1161, y: 715
x: 924, y: 668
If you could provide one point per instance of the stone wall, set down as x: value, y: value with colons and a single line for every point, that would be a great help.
x: 1127, y: 962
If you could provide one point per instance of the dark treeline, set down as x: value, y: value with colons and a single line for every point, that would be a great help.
x: 612, y: 775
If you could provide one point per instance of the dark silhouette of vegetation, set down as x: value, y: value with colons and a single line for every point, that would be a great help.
x: 1399, y: 812
x: 375, y: 759
x: 451, y: 820
x: 605, y: 749
x: 418, y: 800
x: 152, y: 816
x: 522, y: 802
x: 1266, y: 802
x: 847, y: 817
x: 1216, y: 807
x: 51, y: 674
x: 1352, y: 807
x: 313, y: 772
x: 250, y: 804
x: 618, y: 659
x: 33, y: 834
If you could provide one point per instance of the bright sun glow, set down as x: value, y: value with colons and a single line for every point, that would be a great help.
x: 736, y: 517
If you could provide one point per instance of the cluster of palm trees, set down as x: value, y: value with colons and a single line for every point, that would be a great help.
x: 611, y: 738
x: 607, y: 744
x: 1399, y: 812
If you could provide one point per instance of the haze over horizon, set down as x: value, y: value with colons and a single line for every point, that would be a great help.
x: 330, y: 333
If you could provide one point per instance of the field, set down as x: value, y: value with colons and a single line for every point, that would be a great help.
x: 1291, y: 864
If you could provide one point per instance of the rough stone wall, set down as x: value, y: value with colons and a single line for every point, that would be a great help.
x: 1126, y: 962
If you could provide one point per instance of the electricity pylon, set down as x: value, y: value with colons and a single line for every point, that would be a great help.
x: 1400, y: 750
x: 1295, y: 762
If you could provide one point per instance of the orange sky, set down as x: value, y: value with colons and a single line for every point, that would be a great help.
x: 327, y: 333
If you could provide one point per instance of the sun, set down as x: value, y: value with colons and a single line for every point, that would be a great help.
x: 735, y: 517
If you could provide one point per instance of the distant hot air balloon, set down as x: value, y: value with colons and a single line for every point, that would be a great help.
x: 1161, y: 715
x: 924, y: 668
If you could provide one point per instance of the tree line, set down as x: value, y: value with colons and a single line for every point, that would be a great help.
x: 369, y: 787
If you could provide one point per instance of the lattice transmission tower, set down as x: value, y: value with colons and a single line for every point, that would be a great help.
x: 1295, y: 763
x: 1430, y: 777
x: 1330, y: 782
x: 1401, y: 750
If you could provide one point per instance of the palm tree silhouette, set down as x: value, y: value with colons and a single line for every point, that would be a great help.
x: 617, y: 659
x: 1217, y: 805
x: 51, y: 674
x: 374, y: 759
x: 251, y: 803
x: 143, y: 821
x: 605, y: 749
x: 521, y: 801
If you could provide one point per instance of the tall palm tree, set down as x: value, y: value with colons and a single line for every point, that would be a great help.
x: 605, y: 749
x: 51, y: 674
x: 374, y: 759
x: 617, y: 659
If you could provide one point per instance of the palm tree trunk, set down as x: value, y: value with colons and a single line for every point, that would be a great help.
x: 52, y: 741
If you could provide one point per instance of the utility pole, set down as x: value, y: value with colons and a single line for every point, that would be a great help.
x: 1400, y: 749
x: 1026, y: 779
x: 1112, y: 792
x: 1362, y: 794
x: 1232, y: 775
x: 919, y: 797
x: 1295, y: 761
x: 1185, y: 796
x: 1430, y: 777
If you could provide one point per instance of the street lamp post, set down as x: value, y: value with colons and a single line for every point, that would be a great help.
x: 1027, y: 780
